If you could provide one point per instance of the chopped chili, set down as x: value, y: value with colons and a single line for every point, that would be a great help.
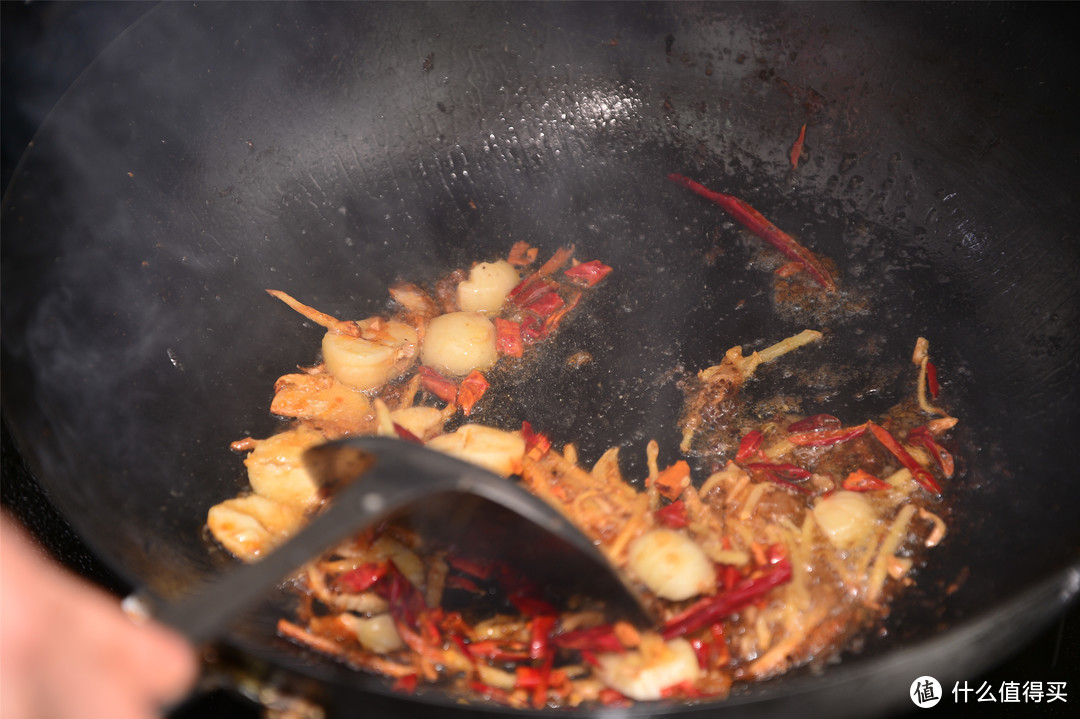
x: 438, y: 385
x: 508, y: 338
x: 472, y: 389
x: 673, y: 515
x: 588, y: 273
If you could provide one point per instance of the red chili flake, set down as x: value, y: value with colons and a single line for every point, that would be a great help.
x: 760, y: 226
x: 588, y: 273
x: 862, y: 481
x: 362, y: 578
x: 931, y: 379
x: 471, y: 390
x: 521, y: 254
x: 826, y: 437
x: 749, y: 445
x: 673, y: 515
x: 508, y: 338
x: 546, y: 304
x: 438, y: 385
x: 815, y: 423
x: 671, y: 481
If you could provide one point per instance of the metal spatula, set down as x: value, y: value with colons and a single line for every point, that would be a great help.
x: 378, y: 478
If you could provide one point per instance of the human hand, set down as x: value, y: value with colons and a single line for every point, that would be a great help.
x: 67, y: 651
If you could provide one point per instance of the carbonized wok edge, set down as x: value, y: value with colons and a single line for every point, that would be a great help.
x: 214, y: 150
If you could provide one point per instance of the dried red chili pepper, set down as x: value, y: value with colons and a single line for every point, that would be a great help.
x: 526, y: 677
x: 438, y: 385
x: 471, y: 390
x: 530, y: 605
x: 506, y: 652
x: 730, y: 576
x: 479, y: 568
x: 553, y: 321
x: 404, y: 600
x: 531, y: 289
x: 540, y: 635
x: 673, y: 515
x: 406, y: 435
x: 532, y: 329
x: 546, y: 304
x: 931, y: 379
x: 921, y: 476
x: 362, y: 578
x: 710, y: 610
x: 760, y: 226
x: 921, y: 436
x: 593, y: 639
x: 826, y: 437
x: 508, y: 338
x: 588, y: 273
x: 797, y: 148
x: 862, y: 481
x: 406, y: 684
x: 749, y: 445
x: 815, y: 423
x: 560, y: 258
x: 782, y: 474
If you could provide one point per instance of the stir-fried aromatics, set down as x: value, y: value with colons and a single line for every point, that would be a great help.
x: 794, y: 543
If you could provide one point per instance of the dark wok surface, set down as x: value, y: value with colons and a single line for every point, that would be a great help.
x: 925, y: 182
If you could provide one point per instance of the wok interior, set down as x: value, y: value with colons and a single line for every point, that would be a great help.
x: 327, y: 150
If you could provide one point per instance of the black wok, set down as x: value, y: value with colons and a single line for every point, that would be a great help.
x: 216, y: 150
